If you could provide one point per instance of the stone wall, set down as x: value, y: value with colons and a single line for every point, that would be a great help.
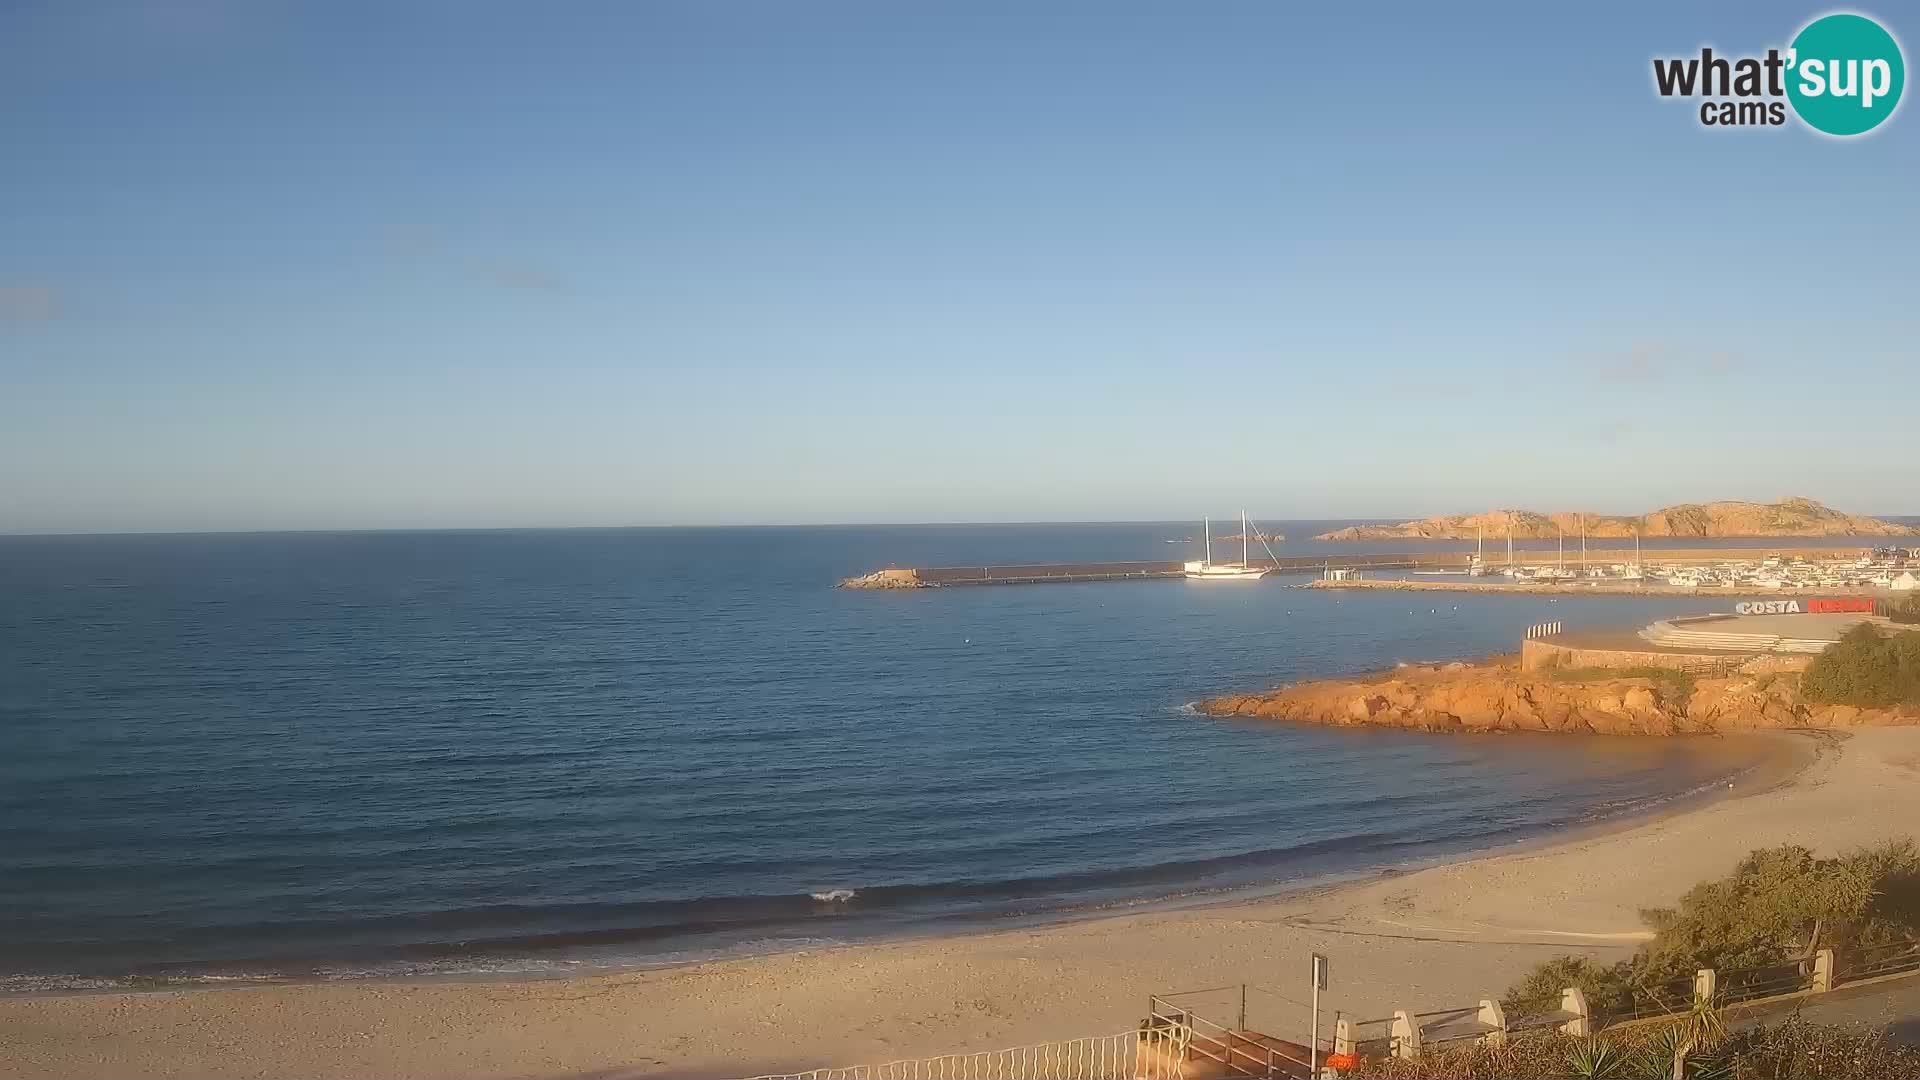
x: 1546, y: 652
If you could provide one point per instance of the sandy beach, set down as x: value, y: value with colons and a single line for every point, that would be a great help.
x: 1434, y: 937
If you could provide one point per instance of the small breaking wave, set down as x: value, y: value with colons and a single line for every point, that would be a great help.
x: 835, y: 896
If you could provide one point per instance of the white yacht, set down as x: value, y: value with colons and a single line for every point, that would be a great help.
x: 1208, y: 570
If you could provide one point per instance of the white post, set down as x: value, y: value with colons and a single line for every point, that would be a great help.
x: 1706, y: 984
x: 1823, y: 971
x: 1573, y: 1000
x: 1406, y: 1035
x: 1313, y: 1037
x: 1493, y: 1016
x: 1343, y: 1036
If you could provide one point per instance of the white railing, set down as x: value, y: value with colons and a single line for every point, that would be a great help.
x: 1238, y: 1051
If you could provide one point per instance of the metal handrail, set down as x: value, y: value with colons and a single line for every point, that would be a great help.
x: 1877, y: 960
x: 1552, y: 1018
x: 1203, y: 1031
x: 1747, y: 984
x: 1463, y: 1010
x: 1662, y: 999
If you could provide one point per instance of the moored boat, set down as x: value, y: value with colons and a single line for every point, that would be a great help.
x: 1207, y: 570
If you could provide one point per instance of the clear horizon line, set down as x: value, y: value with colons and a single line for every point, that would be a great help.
x: 337, y: 530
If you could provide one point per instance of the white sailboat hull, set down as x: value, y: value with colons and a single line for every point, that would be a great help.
x: 1205, y: 569
x: 1200, y: 571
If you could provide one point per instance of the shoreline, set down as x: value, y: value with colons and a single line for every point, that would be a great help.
x: 1426, y: 935
x: 1779, y: 758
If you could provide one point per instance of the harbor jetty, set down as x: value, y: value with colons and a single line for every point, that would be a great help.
x: 1661, y: 572
x: 1429, y: 562
x: 1033, y: 573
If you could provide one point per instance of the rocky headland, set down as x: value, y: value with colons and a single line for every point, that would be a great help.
x: 1786, y: 518
x: 1497, y: 696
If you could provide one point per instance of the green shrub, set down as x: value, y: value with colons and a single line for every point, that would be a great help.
x: 1866, y: 668
x: 1797, y: 1050
x: 1673, y: 684
x: 1780, y: 904
x: 1783, y: 903
x: 1792, y: 1050
x: 1608, y: 987
x: 1906, y: 609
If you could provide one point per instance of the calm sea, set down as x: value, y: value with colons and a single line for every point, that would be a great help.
x: 299, y: 755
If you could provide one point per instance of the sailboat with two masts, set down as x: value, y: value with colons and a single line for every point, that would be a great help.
x: 1208, y: 570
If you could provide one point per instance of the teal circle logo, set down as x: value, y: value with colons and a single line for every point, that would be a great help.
x: 1845, y: 74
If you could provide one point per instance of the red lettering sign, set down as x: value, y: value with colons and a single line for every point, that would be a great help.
x: 1851, y: 603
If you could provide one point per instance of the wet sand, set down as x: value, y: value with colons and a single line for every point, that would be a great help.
x: 1435, y: 937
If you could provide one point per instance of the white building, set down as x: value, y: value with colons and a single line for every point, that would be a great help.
x: 1906, y: 580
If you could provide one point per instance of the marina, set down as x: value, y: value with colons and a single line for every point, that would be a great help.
x: 1664, y: 572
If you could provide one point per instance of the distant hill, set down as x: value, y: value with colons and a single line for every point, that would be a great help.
x: 1786, y: 518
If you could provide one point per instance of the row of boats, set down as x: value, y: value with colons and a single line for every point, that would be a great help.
x: 1876, y: 569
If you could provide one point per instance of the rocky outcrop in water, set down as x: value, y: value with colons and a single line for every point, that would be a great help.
x: 885, y: 579
x: 1786, y: 518
x: 1497, y: 696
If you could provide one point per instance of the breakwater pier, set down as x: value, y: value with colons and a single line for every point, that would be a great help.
x: 1666, y: 572
x: 934, y: 577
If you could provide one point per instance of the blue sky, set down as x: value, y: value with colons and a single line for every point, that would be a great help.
x: 362, y: 265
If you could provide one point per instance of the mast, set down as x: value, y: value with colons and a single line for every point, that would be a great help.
x: 1509, y: 539
x: 1583, y: 543
x: 1243, y: 539
x: 1563, y: 549
x: 1206, y: 528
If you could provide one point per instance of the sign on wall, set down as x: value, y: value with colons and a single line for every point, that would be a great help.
x: 1860, y: 604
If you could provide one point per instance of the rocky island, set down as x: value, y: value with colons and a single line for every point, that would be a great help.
x: 1497, y: 696
x: 1792, y: 517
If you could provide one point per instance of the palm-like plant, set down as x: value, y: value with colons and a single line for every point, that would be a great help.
x: 1684, y: 1047
x: 1673, y: 1051
x: 1598, y: 1058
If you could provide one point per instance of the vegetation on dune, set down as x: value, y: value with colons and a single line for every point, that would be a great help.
x: 1792, y: 1050
x: 1866, y: 668
x: 1609, y: 987
x: 1779, y: 905
x: 1906, y: 609
x: 1673, y: 684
